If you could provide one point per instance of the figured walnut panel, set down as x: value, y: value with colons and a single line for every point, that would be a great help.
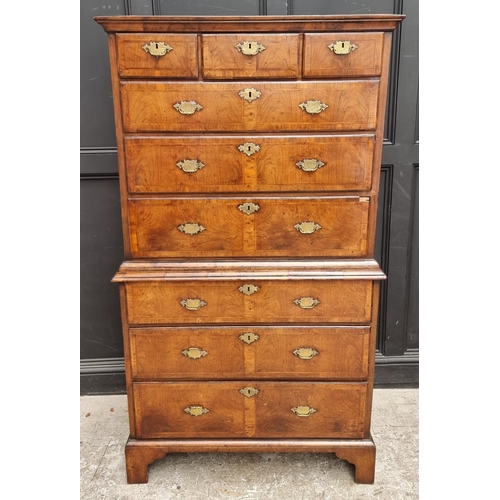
x: 341, y: 353
x: 152, y: 163
x: 352, y: 105
x: 270, y: 231
x: 341, y: 301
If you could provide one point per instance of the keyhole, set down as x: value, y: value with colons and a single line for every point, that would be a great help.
x: 342, y: 44
x: 249, y: 94
x: 248, y: 289
x: 249, y: 148
x: 156, y: 45
x: 249, y: 45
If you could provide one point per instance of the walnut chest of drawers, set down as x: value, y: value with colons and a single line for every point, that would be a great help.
x: 249, y: 156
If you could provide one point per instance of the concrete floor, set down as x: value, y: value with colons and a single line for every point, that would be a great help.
x: 255, y: 476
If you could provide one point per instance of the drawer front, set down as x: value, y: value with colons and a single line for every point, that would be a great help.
x: 250, y: 56
x: 252, y: 301
x: 343, y: 54
x: 317, y: 352
x: 249, y: 163
x: 157, y: 55
x: 253, y: 227
x: 273, y: 409
x: 191, y: 107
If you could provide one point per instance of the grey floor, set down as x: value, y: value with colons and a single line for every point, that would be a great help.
x: 259, y: 476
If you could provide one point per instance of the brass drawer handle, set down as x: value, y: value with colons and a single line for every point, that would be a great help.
x: 342, y: 48
x: 196, y: 411
x: 307, y: 227
x: 305, y: 352
x: 191, y: 228
x: 309, y: 165
x: 303, y: 411
x: 157, y: 49
x: 250, y: 48
x: 249, y: 392
x: 249, y: 94
x: 249, y: 148
x: 313, y: 107
x: 193, y: 304
x: 306, y: 302
x: 187, y: 107
x: 248, y: 208
x: 249, y: 338
x: 190, y: 166
x: 249, y: 289
x: 194, y: 353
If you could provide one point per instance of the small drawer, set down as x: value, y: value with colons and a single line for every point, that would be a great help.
x: 270, y: 352
x: 250, y: 409
x: 258, y: 226
x: 252, y: 55
x: 250, y: 301
x: 250, y: 163
x: 340, y: 105
x: 343, y: 54
x: 157, y: 55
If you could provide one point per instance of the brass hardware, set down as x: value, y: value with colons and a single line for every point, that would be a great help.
x: 364, y: 199
x: 157, y: 48
x: 249, y: 338
x: 191, y: 228
x: 196, y: 411
x: 190, y: 166
x: 306, y: 302
x: 187, y: 107
x: 303, y: 411
x: 248, y: 208
x: 307, y: 227
x: 249, y: 94
x: 309, y: 165
x: 305, y: 353
x: 248, y: 289
x: 249, y: 391
x: 194, y: 353
x: 342, y: 48
x: 250, y: 48
x: 249, y: 148
x: 193, y: 304
x: 313, y: 107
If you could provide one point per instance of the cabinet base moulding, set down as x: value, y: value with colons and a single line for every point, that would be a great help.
x: 140, y: 454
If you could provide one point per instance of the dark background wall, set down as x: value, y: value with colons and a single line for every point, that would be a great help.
x: 101, y: 351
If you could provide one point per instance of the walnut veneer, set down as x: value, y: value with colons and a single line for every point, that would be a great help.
x: 249, y: 156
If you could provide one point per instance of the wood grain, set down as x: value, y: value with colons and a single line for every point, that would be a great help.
x: 151, y: 163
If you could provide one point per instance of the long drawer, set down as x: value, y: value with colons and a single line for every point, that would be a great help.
x: 328, y: 226
x: 249, y: 301
x: 292, y: 352
x: 250, y: 106
x: 256, y: 163
x: 249, y: 409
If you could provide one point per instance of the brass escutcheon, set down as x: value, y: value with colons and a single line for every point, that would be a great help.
x: 307, y: 227
x: 309, y: 165
x: 187, y: 107
x: 196, y: 411
x: 249, y: 391
x: 249, y: 338
x: 194, y: 353
x: 342, y: 48
x: 306, y: 302
x: 193, y: 304
x: 303, y: 411
x: 250, y: 48
x: 313, y: 107
x: 305, y: 353
x: 249, y: 148
x: 249, y: 94
x: 190, y: 166
x: 191, y: 228
x: 248, y: 208
x: 248, y: 289
x: 157, y: 49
